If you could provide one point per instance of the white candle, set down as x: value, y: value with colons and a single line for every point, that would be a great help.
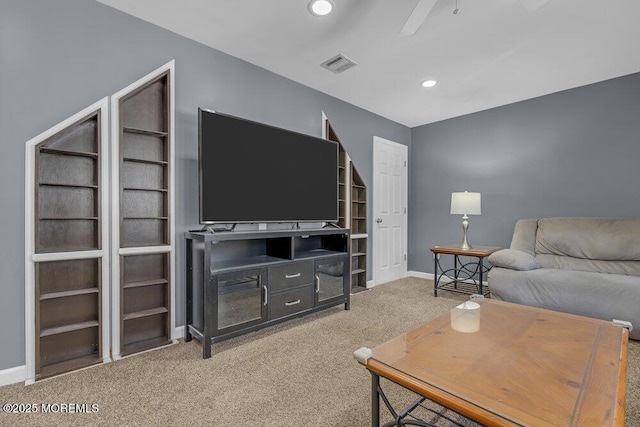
x: 466, y: 317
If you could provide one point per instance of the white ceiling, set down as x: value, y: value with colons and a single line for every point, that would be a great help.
x: 492, y: 53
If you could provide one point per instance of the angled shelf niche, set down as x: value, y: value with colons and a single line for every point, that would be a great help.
x: 144, y: 167
x: 68, y: 220
x: 67, y: 191
x: 143, y: 221
x: 352, y: 202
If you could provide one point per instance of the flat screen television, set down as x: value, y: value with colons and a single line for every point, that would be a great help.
x: 253, y: 173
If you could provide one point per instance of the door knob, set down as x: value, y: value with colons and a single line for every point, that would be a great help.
x: 378, y: 220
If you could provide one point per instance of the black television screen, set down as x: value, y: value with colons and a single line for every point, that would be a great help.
x: 251, y: 172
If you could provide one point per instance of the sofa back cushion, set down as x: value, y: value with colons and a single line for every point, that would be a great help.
x: 589, y: 244
x: 524, y: 236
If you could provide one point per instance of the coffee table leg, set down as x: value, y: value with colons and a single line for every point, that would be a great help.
x: 375, y: 400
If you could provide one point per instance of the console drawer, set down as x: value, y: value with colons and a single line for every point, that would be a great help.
x: 290, y: 275
x: 290, y: 302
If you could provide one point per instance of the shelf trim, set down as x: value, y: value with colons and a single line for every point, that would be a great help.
x: 67, y: 256
x: 358, y: 253
x: 144, y: 313
x: 69, y: 328
x: 144, y: 250
x: 358, y: 271
x: 63, y: 294
x: 359, y: 236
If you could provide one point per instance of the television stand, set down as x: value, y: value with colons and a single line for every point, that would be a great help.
x: 246, y: 280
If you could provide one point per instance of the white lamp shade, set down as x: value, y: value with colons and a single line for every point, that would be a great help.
x: 465, y: 203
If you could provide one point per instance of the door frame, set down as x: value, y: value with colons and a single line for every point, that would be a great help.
x: 377, y: 141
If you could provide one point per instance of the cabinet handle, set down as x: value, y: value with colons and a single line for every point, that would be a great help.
x: 292, y: 276
x: 266, y: 295
x: 290, y: 303
x: 317, y: 284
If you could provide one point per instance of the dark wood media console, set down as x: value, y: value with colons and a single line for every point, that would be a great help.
x: 241, y: 281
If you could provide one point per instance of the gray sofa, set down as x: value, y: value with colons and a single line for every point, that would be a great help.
x: 584, y: 266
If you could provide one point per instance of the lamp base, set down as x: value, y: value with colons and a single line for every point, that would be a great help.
x: 465, y: 246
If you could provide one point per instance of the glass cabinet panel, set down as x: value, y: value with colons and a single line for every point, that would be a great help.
x: 241, y: 298
x: 330, y: 278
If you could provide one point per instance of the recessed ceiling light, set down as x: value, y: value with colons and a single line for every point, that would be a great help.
x: 429, y: 83
x: 320, y: 7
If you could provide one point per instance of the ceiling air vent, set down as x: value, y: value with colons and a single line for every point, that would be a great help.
x: 338, y: 64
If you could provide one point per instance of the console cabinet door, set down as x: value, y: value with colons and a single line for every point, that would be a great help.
x: 241, y: 299
x: 331, y: 279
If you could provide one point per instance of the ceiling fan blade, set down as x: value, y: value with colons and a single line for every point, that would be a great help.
x: 533, y: 5
x: 417, y: 17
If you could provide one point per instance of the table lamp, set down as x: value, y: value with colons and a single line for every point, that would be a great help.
x: 465, y: 203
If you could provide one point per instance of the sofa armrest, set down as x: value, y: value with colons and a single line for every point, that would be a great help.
x: 514, y: 260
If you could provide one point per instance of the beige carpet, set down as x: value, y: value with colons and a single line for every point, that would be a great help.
x: 300, y: 373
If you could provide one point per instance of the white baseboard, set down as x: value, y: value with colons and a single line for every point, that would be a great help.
x: 178, y: 332
x: 13, y: 375
x: 370, y: 284
x: 420, y: 275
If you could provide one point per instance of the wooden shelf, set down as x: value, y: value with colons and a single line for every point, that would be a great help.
x: 145, y: 132
x: 69, y: 365
x: 53, y: 295
x: 69, y: 328
x: 160, y: 190
x: 57, y: 184
x: 358, y: 271
x: 146, y: 161
x: 144, y: 313
x: 359, y: 201
x: 146, y: 217
x: 69, y: 218
x: 358, y: 253
x: 145, y: 345
x: 145, y: 283
x: 68, y: 152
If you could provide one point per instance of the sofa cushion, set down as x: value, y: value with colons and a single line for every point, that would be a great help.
x: 524, y: 236
x: 601, y: 296
x: 589, y: 238
x: 513, y: 259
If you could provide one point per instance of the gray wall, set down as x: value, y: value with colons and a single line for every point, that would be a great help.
x: 58, y: 57
x: 572, y: 153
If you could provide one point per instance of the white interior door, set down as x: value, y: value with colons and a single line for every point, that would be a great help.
x: 389, y: 210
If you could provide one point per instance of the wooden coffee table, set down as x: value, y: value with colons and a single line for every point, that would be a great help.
x: 526, y: 366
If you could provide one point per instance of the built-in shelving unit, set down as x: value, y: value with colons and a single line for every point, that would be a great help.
x: 352, y: 201
x: 65, y: 245
x: 143, y: 219
x: 358, y: 230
